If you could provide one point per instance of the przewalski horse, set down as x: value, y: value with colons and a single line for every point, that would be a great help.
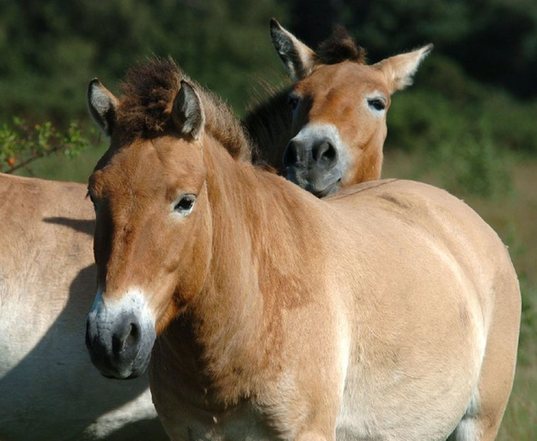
x: 335, y: 112
x: 390, y: 311
x: 48, y: 390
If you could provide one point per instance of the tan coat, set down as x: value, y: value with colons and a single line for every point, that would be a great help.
x: 389, y: 311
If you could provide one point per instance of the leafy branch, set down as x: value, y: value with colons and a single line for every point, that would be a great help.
x: 21, y: 143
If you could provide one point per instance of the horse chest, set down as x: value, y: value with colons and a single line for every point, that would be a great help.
x: 184, y: 421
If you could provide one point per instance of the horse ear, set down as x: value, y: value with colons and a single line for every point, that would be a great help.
x: 187, y: 111
x: 298, y: 58
x: 400, y: 69
x: 102, y: 106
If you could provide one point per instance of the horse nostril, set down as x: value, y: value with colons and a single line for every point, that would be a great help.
x: 88, y: 339
x: 324, y: 152
x: 134, y: 334
x: 126, y: 337
x: 290, y: 156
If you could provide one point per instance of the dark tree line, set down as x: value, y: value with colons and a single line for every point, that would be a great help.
x: 483, y: 68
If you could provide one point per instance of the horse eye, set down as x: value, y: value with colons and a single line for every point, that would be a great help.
x: 185, y: 204
x: 293, y: 101
x: 377, y: 104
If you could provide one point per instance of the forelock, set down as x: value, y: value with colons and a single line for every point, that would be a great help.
x: 148, y: 91
x: 339, y: 47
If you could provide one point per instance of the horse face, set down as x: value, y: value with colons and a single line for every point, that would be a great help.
x: 152, y: 242
x: 339, y: 117
x: 339, y: 107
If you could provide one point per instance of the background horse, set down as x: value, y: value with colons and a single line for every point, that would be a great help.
x: 390, y: 311
x: 328, y: 130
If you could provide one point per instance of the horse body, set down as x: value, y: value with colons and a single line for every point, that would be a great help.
x: 400, y: 352
x: 48, y: 388
x: 390, y: 311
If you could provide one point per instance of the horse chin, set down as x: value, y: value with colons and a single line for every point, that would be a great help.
x: 326, y: 191
x: 325, y: 186
x: 319, y: 186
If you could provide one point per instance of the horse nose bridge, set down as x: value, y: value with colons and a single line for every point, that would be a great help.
x: 122, y: 265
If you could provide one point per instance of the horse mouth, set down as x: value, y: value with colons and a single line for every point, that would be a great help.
x: 319, y: 184
x: 328, y: 190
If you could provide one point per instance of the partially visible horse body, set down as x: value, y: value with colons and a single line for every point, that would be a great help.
x: 389, y: 311
x: 327, y: 131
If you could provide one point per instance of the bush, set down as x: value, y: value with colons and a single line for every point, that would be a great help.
x: 22, y: 143
x: 473, y: 165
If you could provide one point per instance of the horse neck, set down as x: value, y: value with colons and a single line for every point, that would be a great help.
x: 261, y: 238
x: 269, y: 127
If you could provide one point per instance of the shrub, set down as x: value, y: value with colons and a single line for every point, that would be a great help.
x: 22, y: 143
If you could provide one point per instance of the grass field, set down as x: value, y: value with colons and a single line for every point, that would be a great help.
x: 512, y: 213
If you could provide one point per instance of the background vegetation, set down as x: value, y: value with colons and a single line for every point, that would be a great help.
x: 468, y: 124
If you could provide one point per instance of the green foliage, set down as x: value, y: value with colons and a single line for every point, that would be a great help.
x: 444, y: 105
x: 493, y: 40
x: 21, y: 143
x: 52, y: 49
x: 474, y: 165
x: 462, y: 129
x: 528, y: 326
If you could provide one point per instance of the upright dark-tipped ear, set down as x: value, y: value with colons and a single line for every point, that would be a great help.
x: 400, y: 69
x: 102, y: 105
x: 187, y: 112
x: 298, y: 58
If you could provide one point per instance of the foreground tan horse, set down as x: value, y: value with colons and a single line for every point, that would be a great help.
x: 46, y: 275
x: 48, y: 390
x: 335, y: 112
x: 390, y: 311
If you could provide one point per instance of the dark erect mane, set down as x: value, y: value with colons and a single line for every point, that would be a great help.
x: 339, y: 47
x: 148, y: 91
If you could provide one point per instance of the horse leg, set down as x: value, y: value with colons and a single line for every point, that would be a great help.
x: 485, y: 411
